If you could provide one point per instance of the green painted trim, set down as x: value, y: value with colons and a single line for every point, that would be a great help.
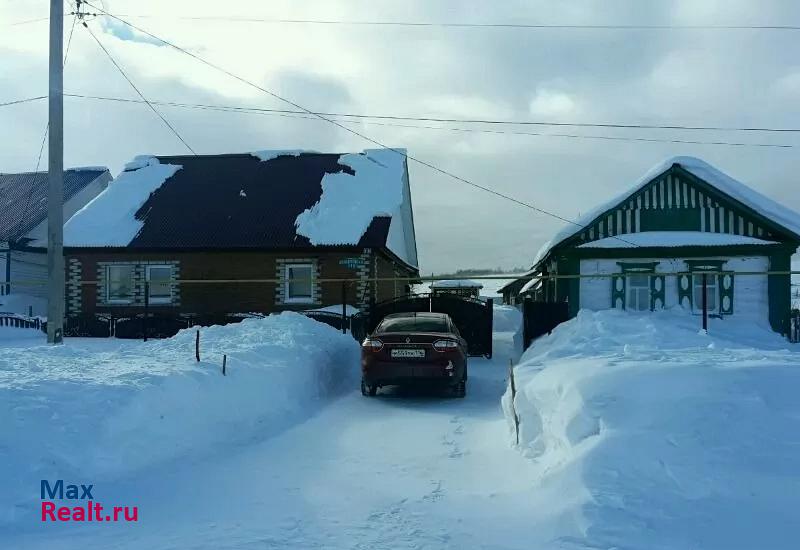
x: 676, y: 252
x: 744, y: 210
x: 702, y: 265
x: 646, y: 267
x: 779, y: 289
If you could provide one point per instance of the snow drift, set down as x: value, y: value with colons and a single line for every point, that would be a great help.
x: 103, y: 409
x: 678, y: 439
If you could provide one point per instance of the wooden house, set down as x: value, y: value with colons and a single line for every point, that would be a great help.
x: 683, y: 216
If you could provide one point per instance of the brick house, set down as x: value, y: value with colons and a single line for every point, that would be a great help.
x: 270, y: 227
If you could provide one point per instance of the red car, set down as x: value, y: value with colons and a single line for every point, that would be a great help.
x: 414, y: 347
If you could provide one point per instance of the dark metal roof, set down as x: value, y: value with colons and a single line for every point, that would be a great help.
x: 23, y: 198
x: 238, y: 201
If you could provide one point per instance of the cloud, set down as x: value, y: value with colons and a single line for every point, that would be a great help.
x: 727, y: 78
x: 124, y: 32
x: 554, y: 105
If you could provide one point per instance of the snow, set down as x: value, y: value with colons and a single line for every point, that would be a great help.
x: 637, y: 432
x: 662, y: 436
x: 109, y: 219
x: 22, y: 303
x: 724, y: 183
x: 349, y: 203
x: 456, y: 283
x: 529, y: 285
x: 337, y: 308
x: 403, y: 470
x: 268, y: 154
x: 105, y: 409
x: 673, y: 239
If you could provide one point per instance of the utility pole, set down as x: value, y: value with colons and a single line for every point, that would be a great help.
x: 55, y: 195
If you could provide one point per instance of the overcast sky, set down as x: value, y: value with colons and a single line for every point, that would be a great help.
x: 675, y: 77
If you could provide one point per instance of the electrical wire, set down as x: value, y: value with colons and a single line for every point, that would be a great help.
x: 349, y: 130
x: 464, y: 25
x: 479, y: 121
x: 364, y: 120
x: 141, y: 95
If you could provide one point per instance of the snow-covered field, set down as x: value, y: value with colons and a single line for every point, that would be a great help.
x: 637, y: 432
x: 664, y: 436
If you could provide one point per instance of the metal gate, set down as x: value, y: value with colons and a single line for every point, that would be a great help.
x: 539, y: 318
x: 472, y: 317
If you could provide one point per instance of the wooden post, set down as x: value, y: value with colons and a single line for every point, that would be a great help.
x: 705, y: 302
x: 344, y: 307
x: 513, y: 396
x: 197, y: 346
x: 224, y: 362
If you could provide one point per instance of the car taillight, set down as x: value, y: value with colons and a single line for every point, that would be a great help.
x: 445, y: 345
x: 372, y: 344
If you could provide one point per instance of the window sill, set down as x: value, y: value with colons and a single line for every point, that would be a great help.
x: 307, y: 301
x: 118, y: 302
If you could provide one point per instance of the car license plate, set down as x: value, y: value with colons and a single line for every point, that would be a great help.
x: 408, y: 353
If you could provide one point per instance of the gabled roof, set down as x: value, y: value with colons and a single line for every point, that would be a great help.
x: 23, y: 198
x: 779, y: 215
x: 263, y: 200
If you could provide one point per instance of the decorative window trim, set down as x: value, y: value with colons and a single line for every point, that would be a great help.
x: 723, y: 283
x: 160, y: 300
x: 619, y: 285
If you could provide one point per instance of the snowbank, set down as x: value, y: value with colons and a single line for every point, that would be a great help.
x: 679, y: 439
x: 109, y: 218
x: 103, y: 409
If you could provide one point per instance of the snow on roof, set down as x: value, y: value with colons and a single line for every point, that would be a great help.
x: 529, y: 285
x: 109, y: 219
x: 456, y: 283
x: 673, y: 239
x: 267, y: 154
x: 717, y: 179
x: 349, y: 202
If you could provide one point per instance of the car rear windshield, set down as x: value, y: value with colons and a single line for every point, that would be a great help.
x: 414, y: 324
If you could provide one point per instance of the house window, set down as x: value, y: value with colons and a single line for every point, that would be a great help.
x: 119, y: 284
x: 638, y: 292
x: 711, y: 293
x: 299, y: 283
x: 159, y: 278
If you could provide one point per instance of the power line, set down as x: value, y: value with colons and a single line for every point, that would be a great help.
x: 27, y: 21
x: 493, y: 122
x: 364, y: 120
x: 349, y: 130
x: 460, y: 25
x: 144, y: 99
x: 20, y: 101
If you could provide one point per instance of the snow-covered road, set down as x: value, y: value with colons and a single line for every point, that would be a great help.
x: 397, y: 471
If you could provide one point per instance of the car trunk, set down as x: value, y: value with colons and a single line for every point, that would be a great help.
x: 410, y: 347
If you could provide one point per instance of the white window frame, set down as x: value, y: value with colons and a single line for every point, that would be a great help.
x: 629, y: 287
x: 712, y: 288
x: 109, y: 299
x: 286, y: 274
x: 159, y: 299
